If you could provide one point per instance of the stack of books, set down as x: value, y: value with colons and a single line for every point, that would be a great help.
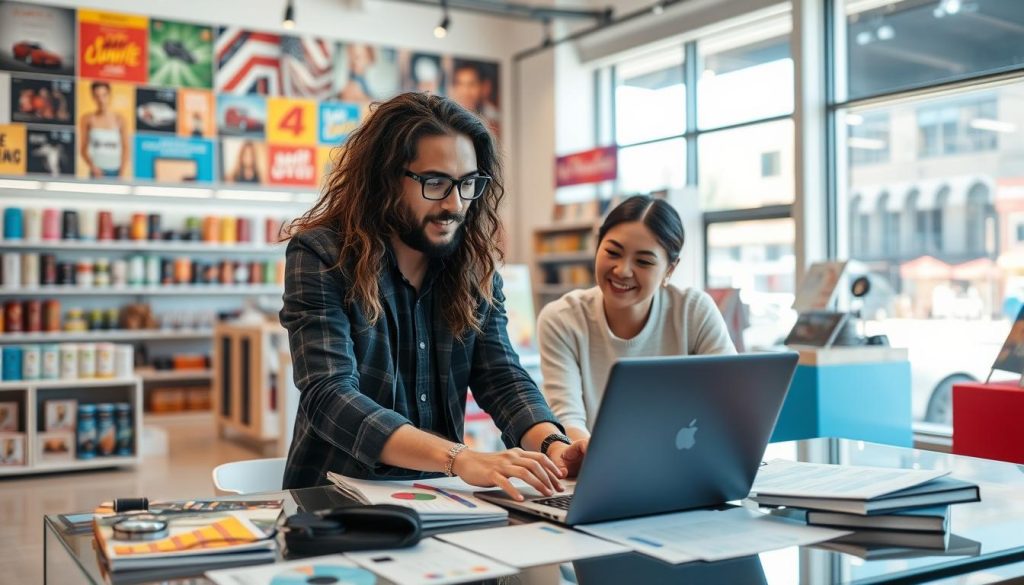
x: 891, y: 511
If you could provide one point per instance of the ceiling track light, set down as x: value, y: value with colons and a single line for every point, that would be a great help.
x: 289, y: 15
x: 441, y: 30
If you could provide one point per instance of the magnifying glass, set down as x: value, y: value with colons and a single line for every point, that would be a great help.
x: 142, y: 527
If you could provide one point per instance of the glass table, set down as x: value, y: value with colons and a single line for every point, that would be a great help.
x: 986, y: 542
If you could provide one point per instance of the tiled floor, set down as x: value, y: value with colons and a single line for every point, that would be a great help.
x: 193, y: 451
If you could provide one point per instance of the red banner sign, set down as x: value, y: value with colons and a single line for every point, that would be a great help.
x: 589, y: 166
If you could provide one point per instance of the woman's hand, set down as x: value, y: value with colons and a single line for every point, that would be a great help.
x: 569, y: 457
x: 496, y: 469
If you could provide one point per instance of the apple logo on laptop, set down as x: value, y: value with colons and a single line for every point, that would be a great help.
x: 686, y: 438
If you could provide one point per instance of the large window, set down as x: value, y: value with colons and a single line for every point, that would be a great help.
x: 714, y: 114
x: 930, y: 179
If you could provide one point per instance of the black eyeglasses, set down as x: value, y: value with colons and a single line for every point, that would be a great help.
x: 438, y: 187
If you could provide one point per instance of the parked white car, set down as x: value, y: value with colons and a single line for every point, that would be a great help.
x: 157, y: 114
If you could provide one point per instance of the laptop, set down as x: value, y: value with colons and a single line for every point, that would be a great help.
x: 672, y: 433
x: 637, y: 568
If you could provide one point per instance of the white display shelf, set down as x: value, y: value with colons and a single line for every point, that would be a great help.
x: 171, y: 289
x: 76, y: 383
x: 94, y: 463
x: 565, y: 257
x: 143, y: 246
x: 109, y: 335
x: 175, y: 375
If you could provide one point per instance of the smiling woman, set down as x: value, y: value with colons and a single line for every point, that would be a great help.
x: 632, y: 312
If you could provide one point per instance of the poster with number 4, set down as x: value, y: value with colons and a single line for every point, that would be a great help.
x: 291, y: 122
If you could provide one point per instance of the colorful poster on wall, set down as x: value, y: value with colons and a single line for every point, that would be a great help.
x: 422, y: 72
x: 363, y: 73
x: 35, y: 38
x: 307, y: 67
x: 172, y: 159
x: 106, y: 121
x: 590, y: 166
x: 326, y: 157
x: 337, y: 121
x: 196, y: 117
x: 12, y: 149
x: 475, y: 85
x: 180, y: 55
x: 292, y: 166
x: 243, y: 161
x: 241, y: 115
x: 112, y: 46
x: 51, y: 152
x: 291, y: 121
x: 248, y: 62
x: 156, y: 110
x: 42, y: 101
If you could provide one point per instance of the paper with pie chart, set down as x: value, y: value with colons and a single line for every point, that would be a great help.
x: 440, y: 503
x: 327, y: 569
x: 431, y: 562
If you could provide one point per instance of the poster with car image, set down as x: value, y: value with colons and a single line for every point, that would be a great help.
x: 241, y: 115
x: 39, y: 39
x: 156, y: 110
x: 42, y: 101
x: 180, y: 55
x: 51, y: 152
x: 106, y: 121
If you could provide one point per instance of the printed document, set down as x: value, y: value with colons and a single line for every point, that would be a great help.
x: 529, y: 545
x: 815, y: 480
x: 430, y: 562
x: 709, y: 535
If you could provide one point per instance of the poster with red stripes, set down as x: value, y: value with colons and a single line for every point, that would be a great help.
x: 307, y: 67
x: 248, y: 62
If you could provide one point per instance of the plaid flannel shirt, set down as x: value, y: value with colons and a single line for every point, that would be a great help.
x: 344, y: 369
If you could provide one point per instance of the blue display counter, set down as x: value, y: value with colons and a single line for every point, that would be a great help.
x: 860, y: 393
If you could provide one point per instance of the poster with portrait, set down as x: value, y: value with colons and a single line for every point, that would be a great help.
x: 38, y: 39
x: 106, y: 123
x: 12, y: 449
x: 243, y: 161
x: 12, y: 149
x: 363, y: 73
x: 156, y: 110
x: 242, y: 115
x: 180, y: 55
x: 337, y: 121
x: 422, y: 72
x: 113, y: 46
x: 60, y: 415
x: 307, y: 67
x: 42, y: 101
x: 196, y: 115
x: 475, y: 85
x: 248, y: 62
x: 51, y: 152
x: 173, y: 159
x: 292, y: 166
x: 9, y: 420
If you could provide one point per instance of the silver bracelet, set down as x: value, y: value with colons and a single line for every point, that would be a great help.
x: 455, y: 450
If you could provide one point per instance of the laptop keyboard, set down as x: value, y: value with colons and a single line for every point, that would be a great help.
x: 560, y: 502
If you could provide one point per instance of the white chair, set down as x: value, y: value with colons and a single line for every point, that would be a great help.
x: 249, y: 476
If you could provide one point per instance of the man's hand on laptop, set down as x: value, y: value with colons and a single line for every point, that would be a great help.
x: 495, y: 469
x: 569, y: 457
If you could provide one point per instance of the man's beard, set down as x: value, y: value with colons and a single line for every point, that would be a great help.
x: 415, y: 235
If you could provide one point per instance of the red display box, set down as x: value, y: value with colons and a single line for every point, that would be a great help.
x: 987, y: 421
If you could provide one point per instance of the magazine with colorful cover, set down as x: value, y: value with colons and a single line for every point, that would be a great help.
x: 197, y: 532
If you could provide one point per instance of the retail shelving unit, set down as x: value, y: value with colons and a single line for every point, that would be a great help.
x: 31, y: 395
x: 563, y: 259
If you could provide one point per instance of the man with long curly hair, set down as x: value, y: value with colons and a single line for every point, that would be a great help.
x: 394, y: 307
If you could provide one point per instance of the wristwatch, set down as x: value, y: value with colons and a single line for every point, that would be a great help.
x: 551, y: 439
